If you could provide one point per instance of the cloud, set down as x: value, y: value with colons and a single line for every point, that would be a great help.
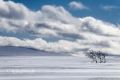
x: 77, y: 5
x: 13, y: 10
x: 39, y: 43
x: 55, y: 21
x: 108, y: 7
x: 63, y: 46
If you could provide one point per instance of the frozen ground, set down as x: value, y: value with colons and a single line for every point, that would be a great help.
x: 57, y: 68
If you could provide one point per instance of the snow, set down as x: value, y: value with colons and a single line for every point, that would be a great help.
x: 57, y: 68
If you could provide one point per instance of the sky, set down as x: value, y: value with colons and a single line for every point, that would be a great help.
x: 69, y: 26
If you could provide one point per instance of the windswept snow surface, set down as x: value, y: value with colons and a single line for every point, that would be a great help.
x: 57, y: 68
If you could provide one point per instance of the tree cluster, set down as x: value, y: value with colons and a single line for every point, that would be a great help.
x: 97, y: 56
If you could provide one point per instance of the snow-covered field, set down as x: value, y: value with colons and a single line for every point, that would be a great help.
x: 57, y: 68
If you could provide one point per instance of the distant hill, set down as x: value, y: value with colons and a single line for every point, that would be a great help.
x: 23, y: 51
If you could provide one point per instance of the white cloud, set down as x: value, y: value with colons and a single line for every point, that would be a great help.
x: 64, y: 46
x: 60, y: 46
x: 77, y: 5
x: 13, y: 10
x: 88, y: 32
x: 108, y: 7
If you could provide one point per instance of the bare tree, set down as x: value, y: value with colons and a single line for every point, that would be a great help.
x: 97, y: 56
x: 103, y: 60
x: 92, y: 56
